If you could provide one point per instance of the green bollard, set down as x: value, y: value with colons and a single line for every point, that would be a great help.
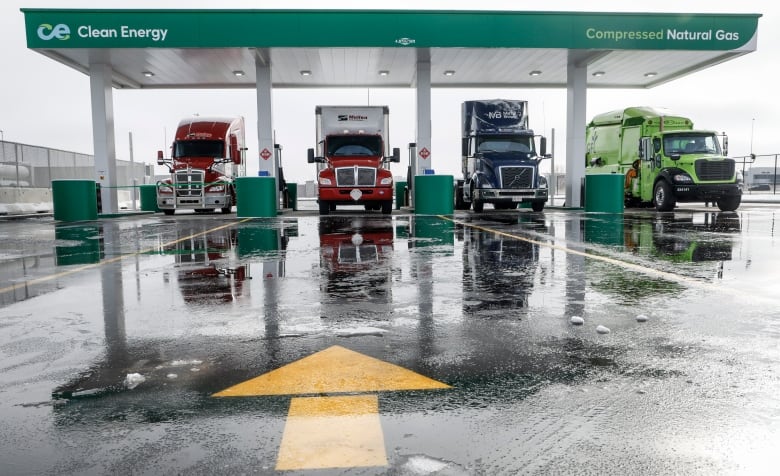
x: 604, y: 193
x: 74, y: 200
x: 434, y: 195
x: 148, y: 198
x: 255, y: 197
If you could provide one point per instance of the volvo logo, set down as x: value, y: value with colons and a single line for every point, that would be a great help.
x: 48, y: 32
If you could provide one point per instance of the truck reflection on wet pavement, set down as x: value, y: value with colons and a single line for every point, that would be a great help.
x: 118, y: 338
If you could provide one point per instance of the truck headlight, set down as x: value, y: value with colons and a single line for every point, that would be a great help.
x: 164, y: 189
x: 386, y: 181
x: 682, y: 178
x: 218, y: 188
x: 542, y: 182
x: 325, y: 181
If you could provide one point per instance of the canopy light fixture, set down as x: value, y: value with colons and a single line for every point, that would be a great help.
x: 148, y: 74
x: 598, y: 74
x: 305, y: 72
x: 535, y: 72
x: 238, y: 73
x: 449, y: 72
x: 384, y: 72
x: 650, y: 74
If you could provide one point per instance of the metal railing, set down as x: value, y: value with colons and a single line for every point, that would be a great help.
x: 759, y: 172
x: 30, y: 166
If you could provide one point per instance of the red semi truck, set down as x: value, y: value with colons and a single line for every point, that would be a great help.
x: 352, y: 161
x: 206, y: 156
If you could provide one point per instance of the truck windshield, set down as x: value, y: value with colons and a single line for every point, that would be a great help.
x: 675, y: 144
x: 198, y: 148
x: 504, y: 144
x: 354, y: 145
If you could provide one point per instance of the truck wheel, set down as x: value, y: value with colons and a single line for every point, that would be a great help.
x: 168, y: 212
x: 664, y: 197
x: 460, y: 204
x: 537, y: 206
x: 387, y: 207
x: 324, y: 208
x: 729, y: 204
x: 478, y: 205
x: 226, y: 210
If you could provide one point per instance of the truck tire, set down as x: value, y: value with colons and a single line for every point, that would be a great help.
x: 729, y: 204
x: 537, y: 206
x: 387, y: 207
x: 169, y: 212
x: 226, y: 210
x: 478, y: 205
x: 324, y: 208
x: 663, y: 196
x: 460, y: 204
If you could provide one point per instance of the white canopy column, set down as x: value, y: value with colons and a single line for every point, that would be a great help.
x: 265, y: 130
x: 576, y: 100
x: 103, y: 135
x: 424, y: 158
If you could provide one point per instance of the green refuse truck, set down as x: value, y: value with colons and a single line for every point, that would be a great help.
x: 663, y: 158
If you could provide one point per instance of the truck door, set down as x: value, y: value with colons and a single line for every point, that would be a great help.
x: 647, y: 169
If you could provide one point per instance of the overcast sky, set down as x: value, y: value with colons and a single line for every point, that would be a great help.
x: 45, y: 103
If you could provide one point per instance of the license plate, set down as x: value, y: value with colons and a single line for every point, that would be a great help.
x: 517, y: 199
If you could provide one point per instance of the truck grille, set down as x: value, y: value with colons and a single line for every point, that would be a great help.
x: 189, y: 184
x: 715, y: 169
x: 517, y: 177
x: 355, y: 177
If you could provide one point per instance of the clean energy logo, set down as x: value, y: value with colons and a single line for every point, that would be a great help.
x: 48, y: 32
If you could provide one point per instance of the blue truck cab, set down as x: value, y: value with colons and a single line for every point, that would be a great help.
x: 500, y: 162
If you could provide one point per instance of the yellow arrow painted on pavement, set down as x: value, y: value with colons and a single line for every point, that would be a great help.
x: 332, y: 432
x: 336, y: 431
x: 333, y: 370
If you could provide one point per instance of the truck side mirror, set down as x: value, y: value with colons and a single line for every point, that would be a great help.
x: 725, y: 144
x: 657, y: 145
x: 160, y: 158
x: 396, y: 155
x: 542, y: 146
x: 310, y: 156
x: 464, y: 147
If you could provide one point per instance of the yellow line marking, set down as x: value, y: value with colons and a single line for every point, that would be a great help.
x: 332, y: 432
x: 333, y: 370
x: 51, y: 277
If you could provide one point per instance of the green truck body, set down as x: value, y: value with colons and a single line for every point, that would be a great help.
x: 664, y: 159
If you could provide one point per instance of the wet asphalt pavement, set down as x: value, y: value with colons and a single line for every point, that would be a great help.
x: 116, y: 334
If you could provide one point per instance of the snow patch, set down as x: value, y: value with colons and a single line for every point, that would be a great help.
x: 134, y: 380
x: 361, y: 331
x: 182, y: 363
x: 423, y: 465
